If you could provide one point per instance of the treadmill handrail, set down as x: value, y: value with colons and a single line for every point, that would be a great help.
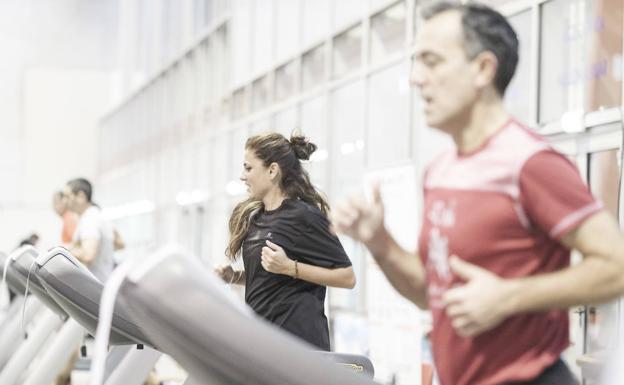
x: 205, y: 349
x: 140, y: 267
x: 44, y: 258
x: 21, y: 250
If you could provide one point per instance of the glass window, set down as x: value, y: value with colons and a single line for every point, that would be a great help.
x: 220, y: 162
x: 204, y: 169
x: 241, y: 40
x: 347, y: 130
x: 174, y: 86
x: 286, y: 121
x: 347, y: 51
x: 387, y: 32
x: 260, y: 126
x: 260, y: 93
x: 495, y: 3
x: 200, y: 77
x: 202, y: 14
x: 239, y: 103
x: 347, y: 11
x: 262, y: 36
x: 210, y: 80
x: 313, y: 67
x: 147, y: 49
x: 218, y: 230
x: 176, y: 33
x: 285, y: 77
x: 517, y: 96
x: 388, y: 116
x: 602, y: 321
x: 347, y: 168
x: 186, y: 170
x: 239, y: 137
x: 374, y: 4
x: 287, y: 27
x: 221, y: 63
x: 221, y: 7
x: 315, y: 20
x: 604, y: 176
x: 417, y: 20
x: 581, y: 56
x: 167, y: 174
x: 189, y: 90
x: 314, y: 126
x: 208, y: 12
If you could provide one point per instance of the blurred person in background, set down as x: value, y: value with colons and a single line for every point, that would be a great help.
x: 93, y: 240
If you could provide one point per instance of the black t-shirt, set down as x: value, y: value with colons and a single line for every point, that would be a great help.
x: 297, y: 306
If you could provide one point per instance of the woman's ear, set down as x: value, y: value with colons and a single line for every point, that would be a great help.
x: 273, y: 170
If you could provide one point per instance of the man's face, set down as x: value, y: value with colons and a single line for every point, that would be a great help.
x: 71, y: 199
x: 59, y: 203
x: 443, y: 73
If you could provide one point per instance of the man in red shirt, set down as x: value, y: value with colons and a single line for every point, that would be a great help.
x: 501, y: 212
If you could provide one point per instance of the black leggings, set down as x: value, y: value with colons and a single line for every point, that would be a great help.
x: 556, y: 374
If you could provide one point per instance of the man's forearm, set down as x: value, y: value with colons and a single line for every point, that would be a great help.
x: 79, y: 253
x: 594, y: 280
x: 403, y: 269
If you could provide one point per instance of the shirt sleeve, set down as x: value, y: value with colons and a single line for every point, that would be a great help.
x: 89, y: 227
x: 317, y: 245
x: 553, y: 195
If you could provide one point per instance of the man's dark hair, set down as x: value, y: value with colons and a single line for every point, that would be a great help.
x: 484, y: 29
x: 81, y: 184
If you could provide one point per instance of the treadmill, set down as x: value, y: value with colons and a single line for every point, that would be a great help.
x: 20, y: 276
x: 77, y: 291
x: 185, y: 309
x: 19, y: 349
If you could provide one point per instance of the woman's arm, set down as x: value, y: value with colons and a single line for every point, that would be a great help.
x: 275, y: 260
x: 337, y: 277
x: 229, y: 275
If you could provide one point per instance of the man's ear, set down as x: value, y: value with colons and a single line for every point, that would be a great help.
x: 487, y: 64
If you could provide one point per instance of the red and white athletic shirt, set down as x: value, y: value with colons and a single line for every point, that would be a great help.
x: 503, y: 207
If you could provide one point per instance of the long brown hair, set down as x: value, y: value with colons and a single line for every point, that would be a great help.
x: 294, y: 181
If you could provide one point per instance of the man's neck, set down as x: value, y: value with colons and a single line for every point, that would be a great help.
x: 481, y: 122
x: 82, y: 209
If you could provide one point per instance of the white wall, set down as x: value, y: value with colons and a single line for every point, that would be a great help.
x: 54, y: 84
x: 61, y: 109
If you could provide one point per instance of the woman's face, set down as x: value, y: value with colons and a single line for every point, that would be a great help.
x: 258, y: 178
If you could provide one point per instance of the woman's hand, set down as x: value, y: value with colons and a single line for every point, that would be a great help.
x: 275, y: 260
x: 225, y: 272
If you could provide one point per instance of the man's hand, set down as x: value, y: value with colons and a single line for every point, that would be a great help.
x: 85, y: 250
x: 275, y: 260
x: 478, y: 305
x: 362, y: 220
